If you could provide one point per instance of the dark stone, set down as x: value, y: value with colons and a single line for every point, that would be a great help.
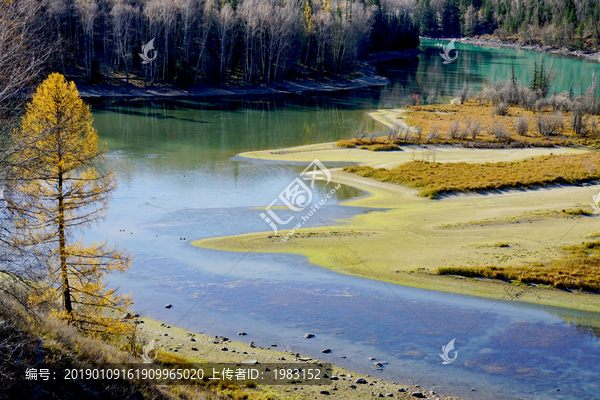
x: 168, y: 305
x: 418, y: 395
x: 326, y: 351
x: 242, y: 333
x: 361, y: 381
x: 224, y: 348
x: 324, y: 392
x: 308, y: 335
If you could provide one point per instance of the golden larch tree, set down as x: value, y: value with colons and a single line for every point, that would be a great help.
x: 60, y: 189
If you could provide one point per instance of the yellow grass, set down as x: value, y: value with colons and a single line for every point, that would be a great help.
x: 433, y: 179
x: 441, y: 117
x: 579, y: 270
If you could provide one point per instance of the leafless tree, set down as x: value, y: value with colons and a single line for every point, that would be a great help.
x: 123, y: 17
x: 86, y: 11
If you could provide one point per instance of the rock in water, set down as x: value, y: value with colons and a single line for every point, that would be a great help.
x: 326, y: 351
x: 308, y: 335
x: 168, y: 306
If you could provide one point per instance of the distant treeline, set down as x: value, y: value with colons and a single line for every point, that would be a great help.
x: 224, y: 41
x: 571, y: 23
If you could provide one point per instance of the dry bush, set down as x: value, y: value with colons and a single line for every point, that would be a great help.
x: 540, y: 104
x: 522, y: 125
x: 560, y: 102
x: 475, y: 129
x: 499, y: 131
x: 501, y: 33
x: 418, y: 133
x: 547, y: 35
x: 465, y: 93
x: 529, y: 99
x: 464, y: 132
x: 453, y: 130
x: 434, y: 133
x: 578, y: 120
x: 501, y: 108
x: 550, y: 124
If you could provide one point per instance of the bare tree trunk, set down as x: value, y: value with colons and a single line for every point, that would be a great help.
x: 66, y: 289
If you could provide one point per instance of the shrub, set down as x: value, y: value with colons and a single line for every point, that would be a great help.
x: 499, y: 131
x: 465, y: 93
x: 434, y: 133
x: 560, y: 102
x: 501, y: 108
x: 418, y: 133
x: 453, y: 130
x: 529, y: 99
x: 501, y: 33
x: 550, y: 124
x: 522, y: 125
x: 475, y: 129
x: 578, y: 121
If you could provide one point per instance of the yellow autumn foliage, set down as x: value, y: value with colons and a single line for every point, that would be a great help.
x: 59, y: 190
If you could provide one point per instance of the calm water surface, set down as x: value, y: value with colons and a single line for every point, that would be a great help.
x: 179, y: 178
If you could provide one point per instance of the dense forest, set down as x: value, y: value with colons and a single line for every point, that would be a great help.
x: 223, y: 41
x: 569, y: 23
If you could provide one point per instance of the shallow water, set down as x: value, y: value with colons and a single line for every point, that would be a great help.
x: 179, y: 179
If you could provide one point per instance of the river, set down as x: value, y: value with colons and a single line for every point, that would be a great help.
x: 179, y: 180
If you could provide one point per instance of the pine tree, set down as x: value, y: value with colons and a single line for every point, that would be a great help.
x: 59, y: 191
x: 513, y: 79
x: 534, y: 83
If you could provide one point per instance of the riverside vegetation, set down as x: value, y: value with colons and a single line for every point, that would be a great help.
x: 560, y: 23
x: 502, y: 115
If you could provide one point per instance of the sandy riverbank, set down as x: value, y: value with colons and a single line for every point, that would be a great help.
x: 198, y: 347
x: 407, y: 236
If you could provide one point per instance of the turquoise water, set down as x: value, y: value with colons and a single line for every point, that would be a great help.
x: 180, y: 178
